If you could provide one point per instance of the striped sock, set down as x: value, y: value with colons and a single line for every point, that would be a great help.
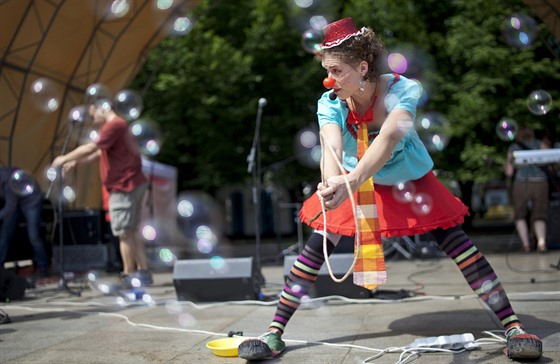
x: 477, y: 271
x: 301, y: 278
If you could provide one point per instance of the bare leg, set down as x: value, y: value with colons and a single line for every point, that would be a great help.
x: 127, y: 254
x: 140, y: 253
x: 540, y: 232
x: 523, y: 232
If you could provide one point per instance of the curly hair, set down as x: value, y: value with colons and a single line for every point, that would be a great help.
x: 365, y: 47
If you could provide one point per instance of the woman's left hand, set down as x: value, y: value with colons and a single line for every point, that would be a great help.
x: 335, y: 191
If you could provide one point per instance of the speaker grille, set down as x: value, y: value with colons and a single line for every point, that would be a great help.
x: 220, y: 279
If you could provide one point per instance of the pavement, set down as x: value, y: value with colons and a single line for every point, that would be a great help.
x: 426, y: 296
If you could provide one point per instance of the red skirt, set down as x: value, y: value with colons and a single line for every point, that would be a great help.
x: 396, y: 218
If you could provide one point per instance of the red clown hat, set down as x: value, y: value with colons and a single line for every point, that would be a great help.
x: 339, y: 31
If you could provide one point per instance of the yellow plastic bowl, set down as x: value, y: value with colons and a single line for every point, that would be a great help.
x: 226, y: 346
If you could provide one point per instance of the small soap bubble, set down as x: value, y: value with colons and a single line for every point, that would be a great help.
x: 487, y: 286
x: 200, y: 220
x: 78, y: 114
x: 397, y: 62
x: 307, y: 147
x: 434, y: 130
x: 304, y: 4
x: 45, y: 95
x: 318, y: 22
x: 51, y: 174
x: 128, y: 104
x: 182, y: 26
x: 164, y: 4
x: 186, y: 320
x: 69, y: 194
x: 149, y: 232
x: 22, y: 183
x: 96, y: 92
x: 405, y: 123
x: 120, y: 8
x: 311, y: 41
x: 404, y: 192
x: 539, y: 102
x: 494, y: 298
x: 520, y: 30
x: 219, y: 264
x: 167, y: 256
x: 296, y: 288
x: 148, y: 136
x: 507, y: 129
x: 173, y: 307
x: 422, y: 204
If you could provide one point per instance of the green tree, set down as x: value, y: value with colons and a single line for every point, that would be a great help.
x: 203, y: 88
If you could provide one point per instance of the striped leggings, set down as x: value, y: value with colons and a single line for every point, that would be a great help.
x: 454, y: 242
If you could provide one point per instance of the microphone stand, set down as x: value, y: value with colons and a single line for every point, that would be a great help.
x: 254, y: 167
x: 62, y: 284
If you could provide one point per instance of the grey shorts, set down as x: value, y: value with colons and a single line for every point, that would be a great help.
x: 125, y: 209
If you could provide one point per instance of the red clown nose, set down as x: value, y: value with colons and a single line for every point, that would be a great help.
x: 329, y: 82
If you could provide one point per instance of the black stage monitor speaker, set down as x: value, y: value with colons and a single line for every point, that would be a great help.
x: 325, y: 286
x: 12, y: 286
x: 216, y: 279
x: 79, y: 258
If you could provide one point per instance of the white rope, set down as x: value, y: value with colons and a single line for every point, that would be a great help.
x: 353, y: 202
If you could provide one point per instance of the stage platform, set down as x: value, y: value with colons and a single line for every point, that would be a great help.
x: 50, y: 325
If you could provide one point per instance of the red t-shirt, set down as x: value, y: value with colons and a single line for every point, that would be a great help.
x: 120, y: 165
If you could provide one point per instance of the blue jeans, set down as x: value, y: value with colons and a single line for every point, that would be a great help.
x: 33, y: 221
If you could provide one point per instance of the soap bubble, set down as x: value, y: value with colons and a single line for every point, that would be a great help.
x: 507, y: 129
x: 182, y: 25
x: 120, y: 8
x: 96, y: 92
x: 404, y: 192
x: 539, y: 102
x: 199, y: 219
x: 434, y: 131
x: 45, y: 95
x: 422, y: 204
x: 164, y: 4
x: 148, y: 136
x: 311, y: 41
x: 128, y: 104
x: 520, y: 30
x: 397, y: 62
x: 307, y: 147
x: 78, y: 114
x: 22, y: 183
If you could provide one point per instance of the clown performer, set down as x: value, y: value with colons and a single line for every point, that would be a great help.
x: 366, y: 126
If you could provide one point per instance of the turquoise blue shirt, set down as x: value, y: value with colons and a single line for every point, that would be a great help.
x: 409, y: 160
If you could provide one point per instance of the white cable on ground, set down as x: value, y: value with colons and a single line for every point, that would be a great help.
x: 407, y: 353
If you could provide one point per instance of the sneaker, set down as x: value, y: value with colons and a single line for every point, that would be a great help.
x: 140, y: 278
x: 266, y: 346
x: 144, y: 276
x: 521, y: 345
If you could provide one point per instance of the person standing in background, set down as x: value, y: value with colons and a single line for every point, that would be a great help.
x: 30, y: 206
x: 529, y: 186
x: 121, y: 174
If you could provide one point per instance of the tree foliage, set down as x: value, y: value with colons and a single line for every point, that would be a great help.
x: 203, y: 88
